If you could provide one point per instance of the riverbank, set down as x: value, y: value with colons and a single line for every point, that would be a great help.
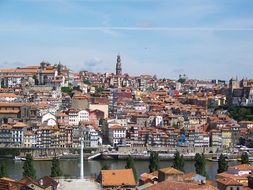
x: 71, y: 168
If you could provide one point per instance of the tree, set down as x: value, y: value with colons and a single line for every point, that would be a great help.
x: 200, y: 164
x: 146, y: 137
x: 242, y: 141
x: 105, y: 167
x: 178, y: 161
x: 99, y: 90
x: 67, y: 90
x: 3, y: 171
x: 130, y: 164
x: 28, y: 168
x: 245, y: 158
x: 222, y: 164
x: 153, y: 162
x: 36, y: 81
x: 86, y: 81
x: 240, y: 113
x: 55, y: 169
x: 181, y: 80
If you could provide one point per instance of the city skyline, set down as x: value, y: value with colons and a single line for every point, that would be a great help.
x: 206, y: 40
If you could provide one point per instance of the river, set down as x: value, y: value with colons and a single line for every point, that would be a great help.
x: 92, y: 167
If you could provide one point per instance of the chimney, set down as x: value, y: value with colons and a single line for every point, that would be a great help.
x: 41, y: 182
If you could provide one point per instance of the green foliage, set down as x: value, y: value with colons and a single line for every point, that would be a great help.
x: 10, y: 151
x: 102, y: 122
x: 242, y: 141
x: 86, y: 81
x: 146, y: 139
x: 250, y: 144
x: 175, y: 125
x: 245, y: 158
x: 36, y: 81
x: 99, y: 90
x: 178, y: 161
x: 28, y: 167
x: 67, y: 90
x: 241, y: 113
x: 55, y: 169
x: 105, y: 167
x: 3, y: 170
x: 200, y: 164
x: 153, y: 162
x: 130, y: 164
x: 181, y: 80
x: 222, y: 164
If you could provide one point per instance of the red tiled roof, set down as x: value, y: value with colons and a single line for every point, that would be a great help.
x: 118, y: 178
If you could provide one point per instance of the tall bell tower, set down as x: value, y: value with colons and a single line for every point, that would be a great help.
x: 118, y: 66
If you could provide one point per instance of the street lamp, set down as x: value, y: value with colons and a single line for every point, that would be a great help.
x: 81, y: 158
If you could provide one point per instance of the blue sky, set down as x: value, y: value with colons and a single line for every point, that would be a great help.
x: 204, y: 39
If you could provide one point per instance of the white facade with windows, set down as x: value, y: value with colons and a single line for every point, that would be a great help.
x: 49, y: 119
x: 116, y: 134
x: 76, y: 116
x: 91, y: 137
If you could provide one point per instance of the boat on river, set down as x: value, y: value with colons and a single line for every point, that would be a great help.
x: 18, y: 158
x: 43, y: 158
x: 216, y: 159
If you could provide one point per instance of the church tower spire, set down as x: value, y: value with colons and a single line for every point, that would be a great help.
x: 118, y: 66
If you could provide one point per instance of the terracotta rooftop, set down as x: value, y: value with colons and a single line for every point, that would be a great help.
x: 170, y: 170
x: 5, y: 126
x: 189, y: 176
x: 6, y: 184
x: 146, y: 176
x: 175, y: 185
x: 242, y: 167
x: 61, y: 114
x: 116, y: 127
x: 29, y: 180
x: 228, y: 181
x: 11, y: 95
x: 118, y: 178
x: 11, y: 104
x: 48, y: 181
x: 20, y: 124
x: 9, y: 111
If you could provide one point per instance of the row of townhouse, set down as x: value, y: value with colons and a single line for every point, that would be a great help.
x: 45, y: 136
x: 168, y: 136
x: 12, y: 134
x: 72, y: 117
x: 68, y: 136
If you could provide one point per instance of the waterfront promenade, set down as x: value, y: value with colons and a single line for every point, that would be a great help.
x: 78, y: 184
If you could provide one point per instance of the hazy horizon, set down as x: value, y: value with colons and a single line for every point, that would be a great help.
x: 211, y: 39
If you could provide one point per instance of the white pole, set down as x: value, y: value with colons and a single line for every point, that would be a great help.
x: 81, y: 160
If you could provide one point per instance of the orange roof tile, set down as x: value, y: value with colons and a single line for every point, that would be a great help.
x: 228, y: 181
x: 242, y: 167
x: 170, y: 170
x: 116, y: 127
x: 19, y: 124
x: 12, y: 95
x: 9, y: 111
x: 176, y: 185
x: 118, y: 178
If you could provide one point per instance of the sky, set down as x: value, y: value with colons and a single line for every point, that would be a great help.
x: 204, y: 39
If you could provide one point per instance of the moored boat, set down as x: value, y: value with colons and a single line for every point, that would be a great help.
x: 17, y: 158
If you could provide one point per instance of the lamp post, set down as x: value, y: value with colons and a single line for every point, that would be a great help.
x: 81, y: 158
